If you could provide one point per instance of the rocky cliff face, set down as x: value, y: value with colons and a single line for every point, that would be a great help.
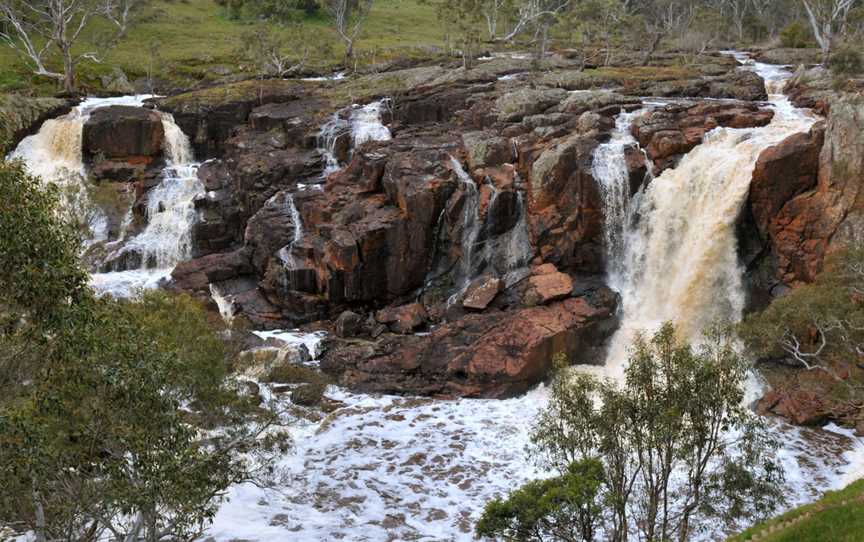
x: 806, y: 200
x: 478, y: 223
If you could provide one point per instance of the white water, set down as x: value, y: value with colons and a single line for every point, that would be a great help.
x: 55, y: 154
x: 680, y: 262
x: 609, y: 169
x: 363, y: 124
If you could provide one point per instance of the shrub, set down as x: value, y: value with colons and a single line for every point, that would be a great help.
x: 795, y: 35
x: 846, y: 61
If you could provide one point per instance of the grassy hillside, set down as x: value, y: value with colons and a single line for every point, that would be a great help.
x: 836, y: 517
x: 187, y: 41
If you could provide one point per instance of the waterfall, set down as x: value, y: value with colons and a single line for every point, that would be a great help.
x: 55, y: 154
x: 470, y: 220
x: 680, y: 261
x: 609, y: 169
x: 363, y: 124
x: 286, y: 254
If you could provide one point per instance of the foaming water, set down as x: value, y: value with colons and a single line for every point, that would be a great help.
x: 680, y: 262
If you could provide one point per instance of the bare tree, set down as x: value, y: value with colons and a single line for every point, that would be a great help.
x: 827, y: 21
x: 119, y: 12
x: 660, y: 18
x: 535, y: 14
x: 35, y: 27
x: 348, y: 17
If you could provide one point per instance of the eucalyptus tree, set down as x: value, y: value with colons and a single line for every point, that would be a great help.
x: 677, y: 448
x: 348, y: 18
x: 828, y: 20
x: 116, y: 419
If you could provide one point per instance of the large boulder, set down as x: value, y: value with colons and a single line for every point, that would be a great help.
x: 497, y: 354
x: 121, y: 132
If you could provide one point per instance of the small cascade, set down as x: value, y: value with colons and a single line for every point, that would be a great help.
x: 55, y: 154
x: 366, y: 123
x: 680, y: 262
x: 609, y: 169
x: 363, y: 124
x: 286, y: 254
x: 471, y: 223
x: 328, y: 137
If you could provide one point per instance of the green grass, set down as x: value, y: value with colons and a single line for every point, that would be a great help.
x: 837, y: 517
x: 195, y: 41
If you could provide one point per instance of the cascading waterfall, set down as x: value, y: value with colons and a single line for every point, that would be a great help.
x: 328, y: 136
x: 609, y: 169
x: 167, y: 239
x: 680, y: 261
x: 55, y: 154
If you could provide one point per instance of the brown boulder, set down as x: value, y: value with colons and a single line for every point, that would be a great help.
x: 404, y: 319
x: 548, y: 287
x: 123, y: 132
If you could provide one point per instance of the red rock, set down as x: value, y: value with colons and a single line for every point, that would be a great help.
x: 481, y: 292
x: 548, y: 287
x: 404, y: 319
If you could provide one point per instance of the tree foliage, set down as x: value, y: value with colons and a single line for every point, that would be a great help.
x: 100, y: 420
x: 676, y: 445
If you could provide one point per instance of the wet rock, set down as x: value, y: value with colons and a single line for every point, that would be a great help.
x: 481, y: 292
x: 566, y: 204
x: 403, y: 319
x: 514, y: 106
x: 210, y: 116
x: 123, y: 132
x: 493, y: 354
x: 349, y: 324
